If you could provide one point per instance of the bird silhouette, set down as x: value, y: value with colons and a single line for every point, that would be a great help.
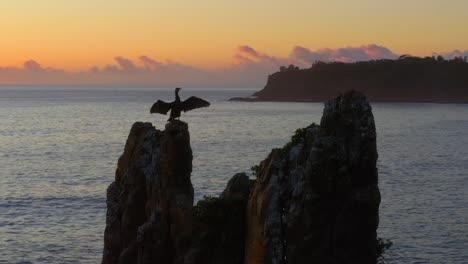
x: 176, y: 107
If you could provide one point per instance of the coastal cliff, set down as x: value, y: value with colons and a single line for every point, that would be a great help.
x: 408, y: 79
x: 316, y: 200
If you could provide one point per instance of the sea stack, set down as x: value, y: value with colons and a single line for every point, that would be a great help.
x: 149, y: 205
x: 316, y: 200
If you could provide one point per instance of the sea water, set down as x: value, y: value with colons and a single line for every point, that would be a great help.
x: 59, y: 149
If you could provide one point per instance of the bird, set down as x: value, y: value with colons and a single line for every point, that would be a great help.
x: 176, y: 107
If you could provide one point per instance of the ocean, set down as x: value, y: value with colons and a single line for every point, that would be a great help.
x: 59, y: 149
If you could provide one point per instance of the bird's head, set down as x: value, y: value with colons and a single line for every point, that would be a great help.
x: 177, y: 89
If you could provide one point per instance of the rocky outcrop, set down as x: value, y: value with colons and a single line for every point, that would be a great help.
x: 238, y: 187
x: 149, y: 216
x: 219, y: 225
x: 316, y: 200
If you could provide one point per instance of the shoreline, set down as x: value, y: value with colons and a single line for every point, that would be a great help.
x: 319, y: 100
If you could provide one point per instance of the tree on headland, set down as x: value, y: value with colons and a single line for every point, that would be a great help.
x: 405, y: 56
x: 291, y: 67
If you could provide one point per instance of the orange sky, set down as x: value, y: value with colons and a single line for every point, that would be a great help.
x: 76, y: 35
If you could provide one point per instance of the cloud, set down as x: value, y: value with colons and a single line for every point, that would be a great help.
x: 250, y: 68
x: 126, y: 65
x: 248, y: 55
x: 32, y: 65
x: 350, y: 54
x: 452, y: 54
x: 150, y: 64
x: 248, y: 51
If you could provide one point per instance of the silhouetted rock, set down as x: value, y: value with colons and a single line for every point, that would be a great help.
x: 238, y: 187
x: 318, y: 200
x: 408, y: 79
x: 219, y: 225
x: 149, y: 215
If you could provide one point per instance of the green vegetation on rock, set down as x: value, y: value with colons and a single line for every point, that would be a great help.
x: 298, y: 137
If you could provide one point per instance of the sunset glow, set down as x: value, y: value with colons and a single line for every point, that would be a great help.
x: 78, y: 35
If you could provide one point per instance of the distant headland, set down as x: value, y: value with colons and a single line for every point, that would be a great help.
x: 406, y: 79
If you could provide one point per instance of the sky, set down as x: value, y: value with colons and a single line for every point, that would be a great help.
x: 212, y: 43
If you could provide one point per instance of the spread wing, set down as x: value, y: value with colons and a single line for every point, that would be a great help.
x: 161, y: 107
x: 194, y: 103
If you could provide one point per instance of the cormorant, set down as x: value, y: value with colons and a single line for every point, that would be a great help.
x: 177, y: 106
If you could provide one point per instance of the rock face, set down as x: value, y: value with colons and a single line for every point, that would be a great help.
x: 219, y: 225
x: 317, y: 201
x: 149, y: 216
x: 238, y: 187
